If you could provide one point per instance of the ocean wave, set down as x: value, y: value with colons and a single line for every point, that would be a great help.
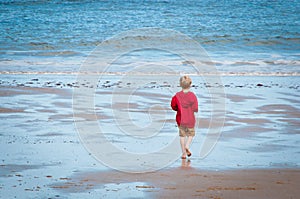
x: 59, y: 53
x: 41, y: 46
x: 39, y: 52
x: 277, y: 67
x: 147, y: 57
x: 249, y: 40
x: 55, y: 63
x: 280, y: 62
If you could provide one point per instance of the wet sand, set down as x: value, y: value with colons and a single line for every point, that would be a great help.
x: 186, y: 182
x: 257, y: 155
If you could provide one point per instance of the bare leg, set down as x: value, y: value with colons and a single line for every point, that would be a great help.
x: 182, y: 144
x: 188, y: 142
x: 187, y: 146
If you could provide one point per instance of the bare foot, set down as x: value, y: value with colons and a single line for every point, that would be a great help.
x: 188, y: 152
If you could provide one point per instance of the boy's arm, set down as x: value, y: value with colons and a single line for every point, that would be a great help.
x: 195, y: 104
x: 174, y: 104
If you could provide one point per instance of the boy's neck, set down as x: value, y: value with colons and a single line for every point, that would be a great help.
x: 186, y: 90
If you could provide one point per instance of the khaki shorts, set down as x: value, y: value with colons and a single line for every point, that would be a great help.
x: 184, y: 131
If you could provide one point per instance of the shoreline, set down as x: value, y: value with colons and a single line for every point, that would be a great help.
x: 218, y: 73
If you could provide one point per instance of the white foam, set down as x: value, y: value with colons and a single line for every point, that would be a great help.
x: 277, y: 74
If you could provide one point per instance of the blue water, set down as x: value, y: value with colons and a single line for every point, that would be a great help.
x: 239, y: 35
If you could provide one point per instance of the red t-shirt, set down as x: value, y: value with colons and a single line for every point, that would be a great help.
x: 186, y: 104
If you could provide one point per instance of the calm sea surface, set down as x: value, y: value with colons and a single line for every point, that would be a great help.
x: 239, y: 35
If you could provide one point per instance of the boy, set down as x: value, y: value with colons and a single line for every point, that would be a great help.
x: 186, y: 104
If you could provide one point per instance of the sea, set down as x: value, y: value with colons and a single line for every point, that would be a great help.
x: 256, y: 37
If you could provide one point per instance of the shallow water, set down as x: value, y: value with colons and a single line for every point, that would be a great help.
x: 264, y: 118
x: 40, y: 146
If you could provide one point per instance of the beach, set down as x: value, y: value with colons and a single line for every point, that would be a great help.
x: 85, y: 91
x: 257, y: 154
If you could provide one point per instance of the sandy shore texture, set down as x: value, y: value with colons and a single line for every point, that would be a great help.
x: 185, y: 182
x: 257, y: 155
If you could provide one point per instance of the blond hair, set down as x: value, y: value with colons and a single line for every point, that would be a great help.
x: 185, y: 82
